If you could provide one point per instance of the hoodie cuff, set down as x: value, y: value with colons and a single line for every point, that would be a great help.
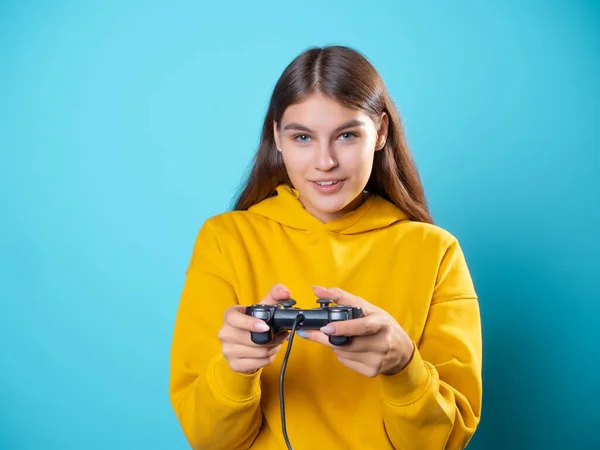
x: 407, y: 386
x: 232, y: 386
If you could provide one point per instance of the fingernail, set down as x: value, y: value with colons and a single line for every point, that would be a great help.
x: 261, y: 326
x: 302, y: 334
x: 328, y: 329
x: 320, y: 287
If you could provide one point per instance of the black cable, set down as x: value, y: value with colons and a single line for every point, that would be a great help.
x: 299, y: 318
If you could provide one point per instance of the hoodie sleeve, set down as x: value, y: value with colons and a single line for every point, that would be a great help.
x: 216, y: 407
x: 435, y: 402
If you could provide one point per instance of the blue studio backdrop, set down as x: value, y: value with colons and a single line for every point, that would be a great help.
x: 125, y: 124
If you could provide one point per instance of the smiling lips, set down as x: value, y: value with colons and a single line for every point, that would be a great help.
x: 328, y: 186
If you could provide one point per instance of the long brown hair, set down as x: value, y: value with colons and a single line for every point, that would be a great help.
x: 345, y: 75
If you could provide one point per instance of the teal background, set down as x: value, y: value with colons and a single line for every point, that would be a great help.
x: 125, y: 124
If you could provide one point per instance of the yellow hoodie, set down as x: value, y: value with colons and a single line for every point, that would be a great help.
x: 414, y: 271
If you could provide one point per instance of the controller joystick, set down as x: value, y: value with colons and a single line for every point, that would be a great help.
x: 324, y: 302
x: 288, y: 303
x: 282, y: 317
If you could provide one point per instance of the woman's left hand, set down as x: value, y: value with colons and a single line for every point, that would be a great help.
x: 379, y: 345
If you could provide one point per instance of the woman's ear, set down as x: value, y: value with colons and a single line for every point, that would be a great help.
x: 382, y: 133
x: 276, y: 135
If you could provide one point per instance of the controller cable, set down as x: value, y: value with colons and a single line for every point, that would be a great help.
x: 299, y: 318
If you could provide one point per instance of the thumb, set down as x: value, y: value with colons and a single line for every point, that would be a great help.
x: 342, y: 297
x: 277, y: 293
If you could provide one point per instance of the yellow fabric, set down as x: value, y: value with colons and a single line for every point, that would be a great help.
x: 414, y: 271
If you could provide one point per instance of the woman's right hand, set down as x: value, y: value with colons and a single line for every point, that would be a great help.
x: 243, y: 355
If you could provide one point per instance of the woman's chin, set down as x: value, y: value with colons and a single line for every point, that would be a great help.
x: 330, y: 207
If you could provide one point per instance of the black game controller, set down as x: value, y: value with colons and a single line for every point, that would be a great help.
x: 282, y: 317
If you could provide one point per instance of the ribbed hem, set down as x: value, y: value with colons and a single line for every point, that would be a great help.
x: 407, y: 386
x: 233, y: 386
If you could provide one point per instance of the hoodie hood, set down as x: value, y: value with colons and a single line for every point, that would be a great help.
x: 285, y: 208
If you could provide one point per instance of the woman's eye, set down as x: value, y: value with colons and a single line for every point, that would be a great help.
x: 305, y: 138
x: 301, y: 137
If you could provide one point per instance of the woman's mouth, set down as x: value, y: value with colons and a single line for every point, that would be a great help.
x: 328, y: 186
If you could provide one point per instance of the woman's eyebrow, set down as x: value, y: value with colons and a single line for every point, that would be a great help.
x: 299, y: 127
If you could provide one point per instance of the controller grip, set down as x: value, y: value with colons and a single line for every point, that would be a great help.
x: 339, y: 340
x: 261, y: 338
x: 338, y: 315
x: 264, y: 313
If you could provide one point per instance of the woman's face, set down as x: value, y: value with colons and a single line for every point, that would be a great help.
x: 328, y: 151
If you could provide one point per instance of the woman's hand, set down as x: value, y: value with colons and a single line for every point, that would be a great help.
x: 379, y: 344
x: 242, y: 354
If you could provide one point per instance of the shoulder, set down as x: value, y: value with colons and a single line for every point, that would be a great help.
x: 230, y: 223
x: 224, y: 219
x: 426, y: 245
x: 230, y: 219
x: 440, y: 247
x: 427, y: 234
x: 217, y: 234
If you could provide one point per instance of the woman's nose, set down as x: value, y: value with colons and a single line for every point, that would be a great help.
x: 325, y: 157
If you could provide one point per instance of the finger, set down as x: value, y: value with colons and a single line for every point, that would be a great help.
x: 315, y: 336
x: 236, y: 318
x: 371, y: 345
x: 249, y: 365
x: 230, y: 335
x: 277, y: 293
x: 233, y: 335
x: 365, y: 326
x: 359, y: 345
x: 359, y: 367
x: 342, y: 297
x: 278, y: 339
x: 361, y: 349
x: 240, y: 351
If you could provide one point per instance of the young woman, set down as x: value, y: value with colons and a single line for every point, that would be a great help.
x: 333, y: 208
